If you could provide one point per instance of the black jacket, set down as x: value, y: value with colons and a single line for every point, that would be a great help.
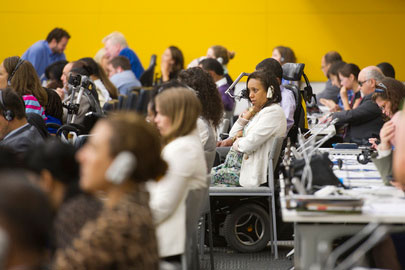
x: 22, y: 139
x: 364, y: 122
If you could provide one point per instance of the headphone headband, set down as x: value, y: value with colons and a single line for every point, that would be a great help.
x: 8, y: 114
x: 19, y: 63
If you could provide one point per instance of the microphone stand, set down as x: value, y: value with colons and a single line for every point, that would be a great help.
x: 228, y: 91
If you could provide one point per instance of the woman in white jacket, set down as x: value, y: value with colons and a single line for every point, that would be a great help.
x: 177, y: 112
x: 252, y: 136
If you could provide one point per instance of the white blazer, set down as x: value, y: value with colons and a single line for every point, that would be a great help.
x: 258, y: 137
x: 187, y: 170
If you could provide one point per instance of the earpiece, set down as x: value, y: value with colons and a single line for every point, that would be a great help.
x: 19, y: 63
x: 8, y: 114
x: 121, y: 168
x: 282, y: 59
x: 220, y: 60
x: 270, y: 91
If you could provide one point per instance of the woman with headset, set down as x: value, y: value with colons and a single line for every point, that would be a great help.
x: 177, y: 112
x: 22, y: 77
x: 120, y: 156
x: 252, y: 135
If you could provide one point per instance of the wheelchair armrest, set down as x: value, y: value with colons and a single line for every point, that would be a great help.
x: 223, y: 136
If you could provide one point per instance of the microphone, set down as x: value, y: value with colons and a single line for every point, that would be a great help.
x: 228, y: 91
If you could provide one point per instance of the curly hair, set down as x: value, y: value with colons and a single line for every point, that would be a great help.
x: 391, y: 90
x: 207, y: 92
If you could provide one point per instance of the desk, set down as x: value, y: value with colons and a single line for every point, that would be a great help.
x: 382, y: 204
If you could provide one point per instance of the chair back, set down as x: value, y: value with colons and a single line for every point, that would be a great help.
x: 143, y: 100
x: 274, y: 156
x: 195, y: 201
x: 132, y: 98
x: 146, y: 78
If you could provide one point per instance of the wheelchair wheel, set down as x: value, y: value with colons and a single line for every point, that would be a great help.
x: 246, y: 228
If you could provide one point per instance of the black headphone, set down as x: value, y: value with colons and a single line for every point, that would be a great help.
x: 8, y: 114
x: 19, y: 63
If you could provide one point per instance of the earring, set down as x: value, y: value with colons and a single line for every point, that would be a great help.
x: 270, y: 91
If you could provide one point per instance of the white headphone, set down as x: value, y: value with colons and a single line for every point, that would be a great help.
x: 121, y: 168
x: 270, y: 91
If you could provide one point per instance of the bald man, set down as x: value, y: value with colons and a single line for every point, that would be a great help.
x: 365, y: 121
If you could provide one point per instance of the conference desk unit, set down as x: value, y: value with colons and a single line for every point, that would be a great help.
x: 316, y: 230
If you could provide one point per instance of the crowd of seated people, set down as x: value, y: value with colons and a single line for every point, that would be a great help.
x: 119, y: 202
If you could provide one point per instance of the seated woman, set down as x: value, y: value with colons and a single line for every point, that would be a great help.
x: 388, y: 95
x: 172, y: 63
x: 54, y: 110
x: 177, y: 112
x: 120, y: 156
x: 349, y: 97
x: 105, y: 88
x: 21, y: 75
x: 252, y: 136
x: 212, y: 108
x: 283, y: 55
x: 223, y: 56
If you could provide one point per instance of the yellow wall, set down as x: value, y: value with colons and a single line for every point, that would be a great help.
x: 365, y: 32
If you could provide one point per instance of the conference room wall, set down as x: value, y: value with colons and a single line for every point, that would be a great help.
x: 365, y: 32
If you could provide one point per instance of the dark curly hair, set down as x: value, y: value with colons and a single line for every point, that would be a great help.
x: 207, y: 92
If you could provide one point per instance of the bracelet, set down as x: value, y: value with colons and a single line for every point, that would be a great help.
x: 252, y: 111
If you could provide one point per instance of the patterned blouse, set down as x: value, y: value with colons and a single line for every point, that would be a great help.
x: 122, y: 237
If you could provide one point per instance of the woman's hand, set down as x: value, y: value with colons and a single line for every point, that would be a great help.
x: 398, y: 185
x: 166, y: 68
x: 373, y: 142
x: 230, y: 141
x: 332, y: 106
x: 387, y: 133
x: 224, y: 143
x: 250, y: 112
x: 345, y: 98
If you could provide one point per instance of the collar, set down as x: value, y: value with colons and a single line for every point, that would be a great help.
x: 11, y: 133
x: 221, y: 82
x: 46, y: 44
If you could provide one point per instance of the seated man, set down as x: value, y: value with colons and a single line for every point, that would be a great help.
x: 288, y: 102
x: 121, y: 75
x: 331, y: 91
x: 115, y: 45
x: 215, y: 69
x: 365, y: 121
x: 15, y: 132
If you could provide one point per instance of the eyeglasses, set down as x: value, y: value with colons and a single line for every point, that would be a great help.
x: 363, y: 82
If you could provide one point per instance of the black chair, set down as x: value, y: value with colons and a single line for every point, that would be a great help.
x: 131, y: 101
x: 121, y: 102
x: 293, y: 72
x: 37, y: 121
x: 146, y: 78
x: 143, y: 100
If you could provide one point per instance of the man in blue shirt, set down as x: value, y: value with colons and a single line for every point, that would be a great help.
x: 45, y: 52
x: 121, y: 75
x: 115, y: 44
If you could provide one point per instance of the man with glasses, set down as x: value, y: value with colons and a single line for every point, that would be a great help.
x: 365, y: 121
x: 330, y: 91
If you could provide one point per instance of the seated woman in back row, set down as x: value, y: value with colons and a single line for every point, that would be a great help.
x: 252, y: 136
